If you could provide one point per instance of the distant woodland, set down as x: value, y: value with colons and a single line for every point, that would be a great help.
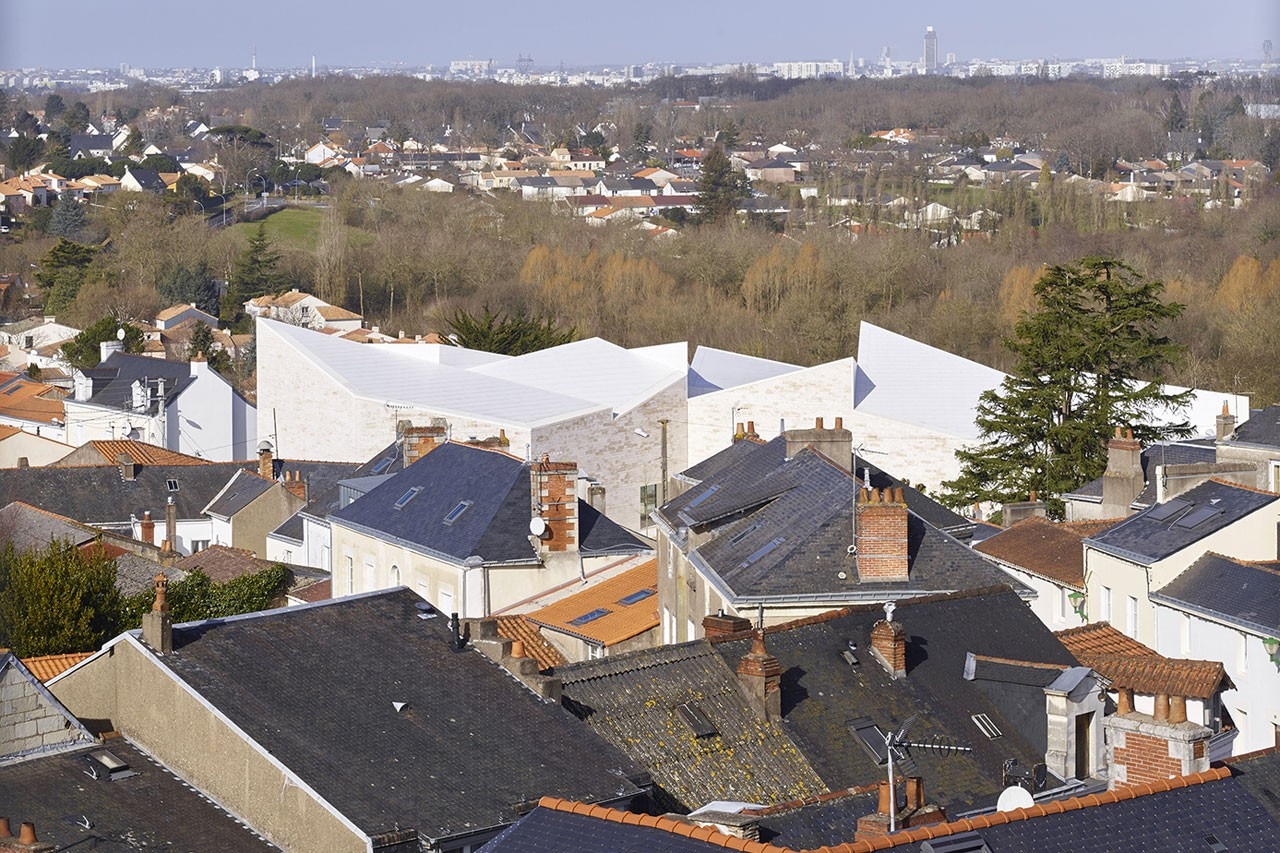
x: 791, y: 287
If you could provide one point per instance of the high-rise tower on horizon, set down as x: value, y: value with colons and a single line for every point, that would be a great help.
x: 930, y: 51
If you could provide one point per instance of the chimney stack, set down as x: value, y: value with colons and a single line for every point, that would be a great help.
x: 1226, y: 422
x: 106, y: 348
x: 760, y: 679
x: 266, y: 464
x: 554, y: 488
x: 170, y: 544
x: 1123, y: 480
x: 157, y: 625
x: 147, y: 529
x: 128, y: 469
x: 719, y: 625
x: 1164, y: 745
x: 881, y: 531
x: 889, y: 643
x: 416, y: 442
x: 835, y: 444
x: 1012, y: 513
x: 915, y: 812
x: 595, y: 497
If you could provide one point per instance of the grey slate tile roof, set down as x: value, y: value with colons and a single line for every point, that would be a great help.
x: 817, y: 824
x: 241, y: 490
x: 113, y: 379
x: 1244, y: 594
x: 1163, y: 453
x: 1167, y: 528
x: 1262, y: 428
x: 783, y: 528
x: 1259, y: 773
x: 495, y: 525
x: 152, y: 810
x: 821, y: 692
x: 544, y: 830
x: 314, y: 686
x: 633, y: 699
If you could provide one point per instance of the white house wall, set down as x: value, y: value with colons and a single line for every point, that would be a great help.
x: 210, y: 420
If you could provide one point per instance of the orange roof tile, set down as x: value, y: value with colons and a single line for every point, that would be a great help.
x: 1194, y: 679
x: 536, y: 646
x: 46, y: 667
x: 1089, y: 642
x: 619, y: 621
x: 1042, y: 547
x: 29, y: 401
x: 141, y: 453
x: 333, y: 312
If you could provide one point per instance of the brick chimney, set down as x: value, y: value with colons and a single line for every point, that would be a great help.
x: 881, y: 530
x: 914, y: 812
x: 889, y: 643
x: 147, y: 528
x: 1225, y: 422
x: 1012, y: 513
x: 1123, y: 481
x: 128, y: 468
x: 295, y: 485
x: 417, y: 441
x: 157, y: 625
x: 835, y: 444
x: 719, y: 625
x: 266, y: 464
x: 1142, y: 748
x: 760, y: 679
x: 26, y: 842
x: 554, y: 488
x: 170, y: 543
x: 751, y: 434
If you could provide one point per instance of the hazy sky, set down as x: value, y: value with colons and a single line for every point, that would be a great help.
x: 181, y: 33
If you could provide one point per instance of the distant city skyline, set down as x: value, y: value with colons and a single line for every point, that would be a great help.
x: 182, y: 33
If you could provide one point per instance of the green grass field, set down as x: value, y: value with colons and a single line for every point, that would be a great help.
x: 292, y: 228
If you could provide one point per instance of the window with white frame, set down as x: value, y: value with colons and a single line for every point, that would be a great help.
x: 351, y: 575
x: 1131, y: 616
x: 395, y: 575
x: 370, y: 572
x: 1105, y: 594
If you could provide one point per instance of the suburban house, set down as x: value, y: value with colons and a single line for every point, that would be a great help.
x: 435, y: 747
x: 178, y: 314
x: 472, y: 530
x: 617, y: 413
x: 784, y: 529
x: 251, y: 505
x: 799, y: 710
x: 1255, y: 442
x: 142, y: 181
x: 19, y: 447
x: 1145, y: 552
x: 182, y: 406
x: 1228, y: 609
x: 303, y: 309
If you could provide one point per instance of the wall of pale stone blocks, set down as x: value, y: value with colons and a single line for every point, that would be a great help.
x: 27, y: 720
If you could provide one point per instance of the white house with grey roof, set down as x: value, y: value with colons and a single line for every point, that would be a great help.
x: 590, y: 401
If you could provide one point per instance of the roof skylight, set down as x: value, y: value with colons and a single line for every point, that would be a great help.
x: 1166, y: 511
x: 407, y: 496
x: 634, y: 597
x: 697, y: 720
x: 456, y: 512
x: 988, y: 728
x: 589, y: 617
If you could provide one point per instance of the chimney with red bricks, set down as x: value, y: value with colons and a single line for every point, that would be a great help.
x: 720, y: 625
x: 912, y: 813
x: 889, y: 643
x: 881, y: 535
x: 760, y: 679
x: 1145, y: 748
x: 147, y: 529
x: 417, y: 441
x: 555, y: 501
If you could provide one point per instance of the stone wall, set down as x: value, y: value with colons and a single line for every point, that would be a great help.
x: 29, y: 722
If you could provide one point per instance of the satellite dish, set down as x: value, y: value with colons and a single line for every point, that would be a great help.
x: 537, y: 526
x: 1014, y: 797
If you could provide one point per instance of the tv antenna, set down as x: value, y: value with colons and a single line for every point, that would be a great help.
x: 898, y: 748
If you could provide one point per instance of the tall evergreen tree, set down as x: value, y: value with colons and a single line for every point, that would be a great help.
x: 62, y: 272
x: 190, y: 285
x: 58, y: 600
x: 256, y: 273
x: 721, y: 189
x: 1084, y: 355
x: 500, y: 332
x: 69, y: 219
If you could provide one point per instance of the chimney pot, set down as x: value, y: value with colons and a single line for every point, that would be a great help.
x: 885, y: 803
x: 915, y: 792
x: 5, y: 832
x: 517, y: 648
x: 839, y: 423
x: 817, y: 423
x: 1177, y: 709
x: 1162, y: 708
x: 27, y: 835
x: 1124, y: 701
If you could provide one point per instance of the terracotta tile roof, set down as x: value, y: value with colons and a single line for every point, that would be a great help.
x: 29, y: 401
x: 222, y: 562
x: 1044, y: 548
x: 702, y: 833
x: 142, y: 453
x: 1194, y: 679
x: 620, y: 621
x: 318, y: 591
x: 333, y: 312
x: 174, y: 311
x: 46, y: 667
x: 1089, y: 642
x: 536, y: 646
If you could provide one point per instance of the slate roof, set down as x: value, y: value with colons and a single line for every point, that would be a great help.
x: 633, y: 700
x: 1042, y: 547
x: 1167, y: 528
x: 96, y: 494
x: 495, y: 524
x: 821, y: 693
x: 1262, y: 429
x: 113, y: 379
x: 242, y: 489
x: 1259, y: 773
x: 1235, y: 592
x: 814, y: 824
x: 470, y: 747
x: 782, y: 528
x: 622, y: 618
x: 917, y: 501
x: 151, y: 810
x: 1162, y: 453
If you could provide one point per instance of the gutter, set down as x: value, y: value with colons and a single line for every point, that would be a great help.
x: 1215, y: 615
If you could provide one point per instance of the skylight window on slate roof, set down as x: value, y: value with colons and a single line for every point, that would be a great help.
x: 456, y: 512
x: 172, y: 485
x: 988, y: 728
x: 1166, y: 511
x: 871, y: 737
x: 697, y: 720
x: 383, y: 464
x: 762, y: 551
x: 589, y: 617
x: 702, y: 497
x: 407, y: 496
x: 637, y: 596
x: 743, y: 534
x: 1197, y: 517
